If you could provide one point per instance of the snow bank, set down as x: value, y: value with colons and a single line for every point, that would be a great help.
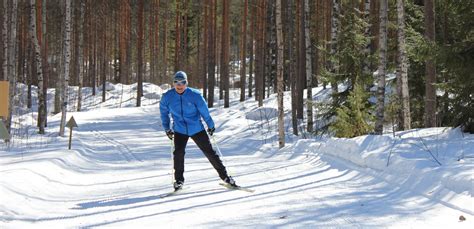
x: 409, y: 158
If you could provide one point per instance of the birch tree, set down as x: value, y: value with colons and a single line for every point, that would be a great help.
x: 281, y: 111
x: 402, y: 68
x: 44, y: 49
x: 382, y: 67
x: 39, y: 69
x: 67, y: 60
x: 11, y: 73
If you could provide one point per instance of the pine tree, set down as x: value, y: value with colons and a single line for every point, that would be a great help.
x: 243, y: 51
x: 382, y: 67
x: 430, y: 68
x: 350, y: 58
x: 353, y: 119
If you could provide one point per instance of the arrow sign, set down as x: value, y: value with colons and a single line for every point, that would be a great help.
x: 71, y: 124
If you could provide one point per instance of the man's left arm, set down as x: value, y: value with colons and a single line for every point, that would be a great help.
x: 204, y: 111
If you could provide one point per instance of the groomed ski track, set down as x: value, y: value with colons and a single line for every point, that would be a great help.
x: 120, y: 167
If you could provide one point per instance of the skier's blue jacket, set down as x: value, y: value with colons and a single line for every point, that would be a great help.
x: 186, y: 110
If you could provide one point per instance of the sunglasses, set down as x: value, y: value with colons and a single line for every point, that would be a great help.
x: 180, y: 82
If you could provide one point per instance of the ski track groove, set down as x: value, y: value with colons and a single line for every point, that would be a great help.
x: 341, y: 220
x: 123, y: 149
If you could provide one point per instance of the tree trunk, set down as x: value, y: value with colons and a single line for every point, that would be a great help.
x: 402, y: 70
x: 177, y: 44
x: 67, y: 59
x: 104, y: 51
x: 31, y: 69
x: 184, y: 41
x: 165, y: 42
x: 212, y: 53
x: 39, y: 72
x: 382, y: 67
x: 430, y: 68
x: 12, y: 50
x: 225, y: 51
x: 300, y: 60
x: 243, y: 52
x: 151, y: 41
x: 59, y: 64
x: 366, y: 13
x: 44, y: 48
x: 293, y: 74
x: 252, y: 47
x: 333, y: 68
x: 375, y: 25
x: 80, y: 61
x: 205, y: 56
x: 260, y: 54
x: 21, y: 55
x: 123, y: 42
x: 309, y: 73
x: 281, y: 111
x: 129, y: 44
x: 5, y: 39
x: 270, y: 71
x: 140, y: 53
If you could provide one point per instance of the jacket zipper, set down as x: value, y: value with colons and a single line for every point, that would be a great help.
x: 182, y: 114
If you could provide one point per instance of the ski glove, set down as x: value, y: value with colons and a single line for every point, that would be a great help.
x: 170, y: 134
x: 211, y: 131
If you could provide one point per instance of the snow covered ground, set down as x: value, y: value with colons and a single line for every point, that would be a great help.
x: 120, y: 168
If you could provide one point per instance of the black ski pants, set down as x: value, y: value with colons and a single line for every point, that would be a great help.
x: 202, y: 141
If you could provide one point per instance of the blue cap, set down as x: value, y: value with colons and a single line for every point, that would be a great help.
x: 180, y: 75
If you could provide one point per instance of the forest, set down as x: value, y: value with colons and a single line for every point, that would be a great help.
x: 398, y: 64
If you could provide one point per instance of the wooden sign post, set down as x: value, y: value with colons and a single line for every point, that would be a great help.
x: 4, y: 135
x: 4, y: 99
x: 71, y: 124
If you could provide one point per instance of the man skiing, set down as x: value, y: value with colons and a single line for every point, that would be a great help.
x: 186, y: 105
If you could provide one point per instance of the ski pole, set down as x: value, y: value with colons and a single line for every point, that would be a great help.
x: 172, y: 161
x: 214, y: 142
x: 217, y: 147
